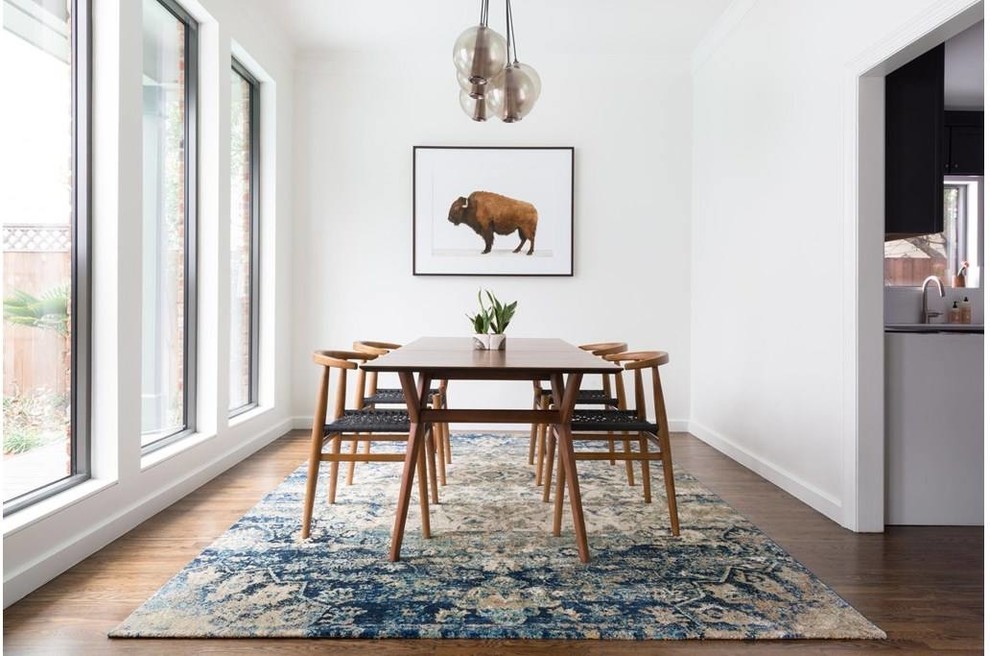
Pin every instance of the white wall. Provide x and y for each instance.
(42, 541)
(358, 116)
(773, 354)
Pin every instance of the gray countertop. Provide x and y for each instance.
(934, 328)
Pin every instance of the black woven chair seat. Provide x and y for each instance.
(592, 397)
(390, 396)
(370, 421)
(610, 420)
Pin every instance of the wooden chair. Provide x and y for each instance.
(632, 425)
(359, 425)
(375, 396)
(603, 397)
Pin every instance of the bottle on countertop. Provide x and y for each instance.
(966, 311)
(955, 313)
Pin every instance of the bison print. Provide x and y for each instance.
(490, 214)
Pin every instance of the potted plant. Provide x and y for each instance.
(491, 321)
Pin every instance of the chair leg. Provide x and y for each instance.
(630, 477)
(334, 468)
(541, 452)
(312, 474)
(551, 440)
(668, 481)
(446, 441)
(645, 465)
(424, 499)
(350, 465)
(439, 442)
(441, 449)
(431, 464)
(541, 444)
(533, 428)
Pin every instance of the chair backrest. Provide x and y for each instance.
(368, 387)
(602, 349)
(637, 362)
(343, 361)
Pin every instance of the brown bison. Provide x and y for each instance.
(489, 214)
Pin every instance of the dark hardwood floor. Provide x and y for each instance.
(922, 585)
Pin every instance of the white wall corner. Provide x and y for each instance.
(818, 499)
(722, 28)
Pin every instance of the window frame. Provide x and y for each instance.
(190, 192)
(80, 263)
(254, 100)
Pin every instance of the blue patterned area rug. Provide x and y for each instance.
(492, 568)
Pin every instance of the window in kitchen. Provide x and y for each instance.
(44, 192)
(244, 239)
(168, 337)
(957, 250)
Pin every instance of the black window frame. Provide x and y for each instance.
(81, 269)
(254, 101)
(190, 143)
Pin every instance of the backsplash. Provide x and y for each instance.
(903, 304)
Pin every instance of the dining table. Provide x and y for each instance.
(429, 359)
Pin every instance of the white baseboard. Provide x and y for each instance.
(825, 503)
(305, 423)
(76, 548)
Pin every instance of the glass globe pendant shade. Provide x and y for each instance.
(476, 91)
(476, 108)
(513, 92)
(479, 53)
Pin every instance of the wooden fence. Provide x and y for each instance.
(34, 358)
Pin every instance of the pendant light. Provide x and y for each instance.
(479, 53)
(507, 89)
(514, 91)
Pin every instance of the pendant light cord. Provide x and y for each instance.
(510, 34)
(483, 21)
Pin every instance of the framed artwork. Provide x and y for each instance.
(492, 211)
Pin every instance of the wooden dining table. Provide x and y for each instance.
(429, 359)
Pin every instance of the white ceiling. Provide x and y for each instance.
(661, 27)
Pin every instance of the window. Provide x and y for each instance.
(168, 337)
(44, 129)
(957, 250)
(244, 241)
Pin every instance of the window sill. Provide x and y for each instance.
(165, 453)
(248, 415)
(44, 509)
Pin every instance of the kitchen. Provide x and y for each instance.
(933, 296)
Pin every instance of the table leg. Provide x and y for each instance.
(417, 432)
(565, 397)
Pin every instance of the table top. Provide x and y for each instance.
(521, 355)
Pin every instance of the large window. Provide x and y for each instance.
(956, 251)
(169, 224)
(244, 242)
(44, 208)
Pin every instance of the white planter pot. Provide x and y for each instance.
(489, 342)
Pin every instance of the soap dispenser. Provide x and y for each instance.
(955, 313)
(965, 311)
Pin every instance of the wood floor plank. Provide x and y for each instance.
(922, 585)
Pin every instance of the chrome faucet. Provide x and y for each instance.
(927, 316)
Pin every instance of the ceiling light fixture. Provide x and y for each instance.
(493, 82)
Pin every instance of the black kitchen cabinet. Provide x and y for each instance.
(914, 115)
(963, 143)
